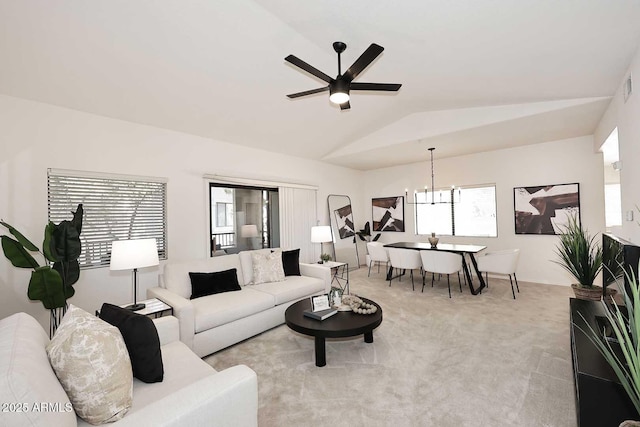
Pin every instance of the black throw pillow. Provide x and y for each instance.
(291, 262)
(203, 284)
(142, 341)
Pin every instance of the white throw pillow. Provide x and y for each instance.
(91, 361)
(267, 267)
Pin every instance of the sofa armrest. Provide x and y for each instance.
(182, 309)
(228, 398)
(168, 328)
(319, 271)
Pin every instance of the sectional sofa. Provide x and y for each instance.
(192, 392)
(213, 322)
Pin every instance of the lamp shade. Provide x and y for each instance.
(321, 234)
(130, 254)
(250, 230)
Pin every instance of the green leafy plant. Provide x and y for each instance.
(626, 329)
(612, 259)
(325, 257)
(365, 234)
(579, 253)
(50, 284)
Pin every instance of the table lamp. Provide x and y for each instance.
(321, 234)
(132, 255)
(249, 232)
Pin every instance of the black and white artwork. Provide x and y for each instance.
(388, 213)
(545, 209)
(344, 222)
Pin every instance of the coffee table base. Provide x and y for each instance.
(342, 325)
(321, 348)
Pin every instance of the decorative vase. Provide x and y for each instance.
(593, 293)
(433, 240)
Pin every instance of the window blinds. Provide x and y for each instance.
(116, 207)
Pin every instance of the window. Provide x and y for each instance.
(473, 214)
(243, 217)
(612, 193)
(224, 214)
(115, 208)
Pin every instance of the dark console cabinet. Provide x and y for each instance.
(600, 399)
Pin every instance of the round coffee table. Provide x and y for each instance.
(341, 324)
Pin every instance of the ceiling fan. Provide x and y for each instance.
(340, 87)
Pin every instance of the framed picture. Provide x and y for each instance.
(545, 209)
(387, 213)
(344, 222)
(320, 302)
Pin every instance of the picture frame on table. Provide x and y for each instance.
(320, 302)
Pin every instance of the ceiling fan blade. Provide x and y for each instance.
(390, 87)
(345, 105)
(308, 68)
(363, 62)
(308, 92)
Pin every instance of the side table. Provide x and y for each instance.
(340, 274)
(153, 308)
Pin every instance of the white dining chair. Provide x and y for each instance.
(405, 259)
(440, 262)
(377, 254)
(500, 262)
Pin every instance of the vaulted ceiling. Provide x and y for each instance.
(476, 75)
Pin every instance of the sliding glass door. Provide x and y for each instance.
(243, 218)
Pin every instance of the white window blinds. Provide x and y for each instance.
(116, 207)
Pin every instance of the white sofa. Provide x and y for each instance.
(191, 394)
(211, 323)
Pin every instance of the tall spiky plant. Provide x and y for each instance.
(627, 331)
(579, 253)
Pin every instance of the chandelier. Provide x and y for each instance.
(455, 194)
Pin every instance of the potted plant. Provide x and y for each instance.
(325, 257)
(52, 282)
(581, 256)
(365, 234)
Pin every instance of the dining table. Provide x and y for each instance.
(463, 249)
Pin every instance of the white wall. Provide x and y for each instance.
(36, 136)
(556, 162)
(626, 117)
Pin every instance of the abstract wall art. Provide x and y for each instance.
(388, 213)
(545, 209)
(344, 222)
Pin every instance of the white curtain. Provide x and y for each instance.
(298, 213)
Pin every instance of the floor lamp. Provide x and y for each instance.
(321, 234)
(132, 255)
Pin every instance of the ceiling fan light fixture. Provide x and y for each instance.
(340, 87)
(339, 92)
(339, 97)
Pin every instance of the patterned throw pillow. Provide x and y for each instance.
(92, 364)
(267, 267)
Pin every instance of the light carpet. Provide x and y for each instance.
(484, 360)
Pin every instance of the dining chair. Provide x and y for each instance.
(377, 254)
(500, 262)
(405, 259)
(440, 262)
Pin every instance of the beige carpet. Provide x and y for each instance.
(483, 360)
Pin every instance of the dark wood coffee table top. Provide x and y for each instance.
(341, 324)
